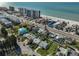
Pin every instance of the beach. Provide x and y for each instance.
(71, 22)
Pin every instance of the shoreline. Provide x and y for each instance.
(71, 22)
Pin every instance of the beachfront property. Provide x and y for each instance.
(51, 23)
(11, 8)
(29, 12)
(45, 34)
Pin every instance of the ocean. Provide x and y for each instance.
(66, 10)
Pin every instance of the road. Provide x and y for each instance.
(65, 34)
(29, 51)
(76, 37)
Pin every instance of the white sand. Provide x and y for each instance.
(71, 22)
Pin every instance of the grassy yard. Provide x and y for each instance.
(51, 50)
(42, 52)
(76, 45)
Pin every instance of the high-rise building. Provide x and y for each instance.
(36, 14)
(11, 8)
(29, 12)
(21, 11)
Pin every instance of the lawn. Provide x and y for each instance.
(43, 52)
(51, 50)
(76, 45)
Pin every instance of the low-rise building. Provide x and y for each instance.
(52, 35)
(43, 44)
(62, 51)
(29, 36)
(36, 40)
(42, 31)
(68, 40)
(59, 39)
(55, 24)
(66, 52)
(50, 23)
(35, 29)
(60, 25)
(72, 52)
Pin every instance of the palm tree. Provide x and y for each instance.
(77, 29)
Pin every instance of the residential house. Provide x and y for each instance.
(29, 36)
(43, 44)
(66, 52)
(59, 39)
(42, 31)
(62, 51)
(52, 35)
(72, 52)
(35, 29)
(36, 40)
(50, 23)
(68, 40)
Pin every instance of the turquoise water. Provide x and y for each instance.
(67, 10)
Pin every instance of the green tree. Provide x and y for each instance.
(13, 39)
(4, 32)
(74, 42)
